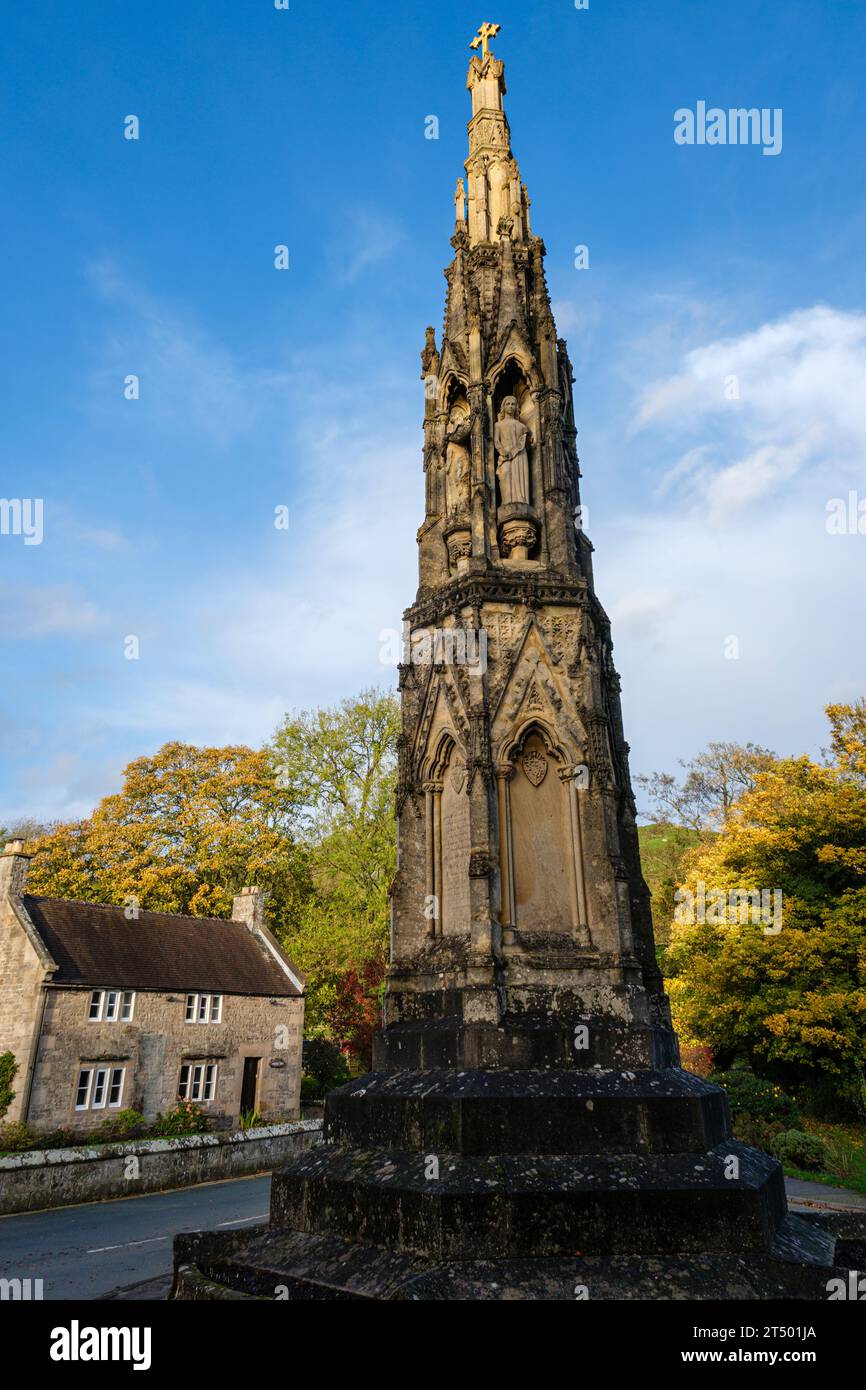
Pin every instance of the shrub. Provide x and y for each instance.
(800, 1150)
(185, 1118)
(17, 1136)
(121, 1126)
(761, 1134)
(59, 1139)
(8, 1068)
(250, 1119)
(750, 1096)
(311, 1090)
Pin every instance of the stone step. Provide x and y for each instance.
(537, 1112)
(296, 1266)
(519, 1205)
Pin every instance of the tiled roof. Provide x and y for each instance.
(94, 944)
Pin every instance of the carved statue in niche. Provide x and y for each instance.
(457, 460)
(511, 436)
(460, 202)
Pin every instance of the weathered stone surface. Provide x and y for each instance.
(500, 1206)
(532, 1041)
(529, 1112)
(41, 1179)
(279, 1264)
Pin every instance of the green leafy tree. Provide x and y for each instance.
(325, 1067)
(339, 766)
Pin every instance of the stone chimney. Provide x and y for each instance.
(14, 864)
(249, 907)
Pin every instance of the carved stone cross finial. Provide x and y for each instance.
(483, 37)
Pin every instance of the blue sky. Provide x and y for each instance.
(262, 388)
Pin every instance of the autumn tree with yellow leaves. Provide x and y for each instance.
(308, 818)
(790, 1001)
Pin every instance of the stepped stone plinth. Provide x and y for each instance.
(526, 1132)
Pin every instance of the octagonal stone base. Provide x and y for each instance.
(537, 1184)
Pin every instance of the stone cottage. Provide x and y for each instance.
(107, 1008)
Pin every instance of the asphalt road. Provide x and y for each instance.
(90, 1251)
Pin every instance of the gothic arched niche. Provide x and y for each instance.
(513, 381)
(456, 450)
(454, 846)
(448, 836)
(541, 845)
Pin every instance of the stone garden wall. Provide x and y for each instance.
(64, 1177)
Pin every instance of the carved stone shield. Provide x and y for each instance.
(458, 777)
(535, 766)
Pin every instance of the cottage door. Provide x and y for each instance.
(250, 1085)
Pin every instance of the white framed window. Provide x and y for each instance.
(109, 1005)
(204, 1008)
(99, 1087)
(197, 1081)
(82, 1092)
(115, 1087)
(100, 1084)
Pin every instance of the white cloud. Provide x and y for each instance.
(642, 610)
(785, 398)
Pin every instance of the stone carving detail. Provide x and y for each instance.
(562, 635)
(430, 356)
(460, 203)
(459, 542)
(457, 774)
(511, 436)
(517, 538)
(481, 864)
(457, 462)
(534, 702)
(504, 630)
(534, 764)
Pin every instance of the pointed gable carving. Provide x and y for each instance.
(535, 688)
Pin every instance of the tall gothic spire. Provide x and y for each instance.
(501, 380)
(516, 815)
